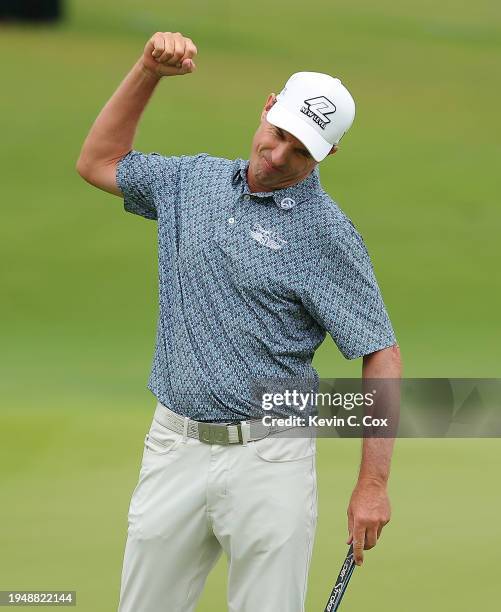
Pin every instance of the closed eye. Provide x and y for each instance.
(281, 135)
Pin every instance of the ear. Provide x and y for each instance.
(272, 98)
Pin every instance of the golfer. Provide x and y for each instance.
(256, 264)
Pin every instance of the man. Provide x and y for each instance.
(256, 264)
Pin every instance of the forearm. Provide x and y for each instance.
(112, 134)
(377, 452)
(376, 460)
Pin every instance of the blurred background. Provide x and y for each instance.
(416, 174)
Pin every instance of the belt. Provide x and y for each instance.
(215, 433)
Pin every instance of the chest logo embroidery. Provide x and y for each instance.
(267, 238)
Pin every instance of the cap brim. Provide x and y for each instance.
(281, 117)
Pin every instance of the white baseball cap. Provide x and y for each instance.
(315, 108)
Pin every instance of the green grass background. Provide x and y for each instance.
(417, 175)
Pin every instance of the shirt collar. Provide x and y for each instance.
(285, 198)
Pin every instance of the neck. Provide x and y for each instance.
(254, 186)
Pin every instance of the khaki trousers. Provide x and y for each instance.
(256, 502)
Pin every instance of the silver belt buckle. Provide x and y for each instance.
(212, 433)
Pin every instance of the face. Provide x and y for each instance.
(278, 159)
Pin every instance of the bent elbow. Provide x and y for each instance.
(82, 168)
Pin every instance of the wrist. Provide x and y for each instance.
(147, 73)
(372, 481)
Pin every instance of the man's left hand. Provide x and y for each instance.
(369, 511)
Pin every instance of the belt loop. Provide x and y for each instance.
(245, 429)
(185, 429)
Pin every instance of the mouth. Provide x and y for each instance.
(269, 167)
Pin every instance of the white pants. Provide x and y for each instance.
(257, 502)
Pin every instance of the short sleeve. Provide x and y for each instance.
(343, 296)
(144, 178)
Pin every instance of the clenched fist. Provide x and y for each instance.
(169, 54)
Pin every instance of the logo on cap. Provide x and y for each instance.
(317, 109)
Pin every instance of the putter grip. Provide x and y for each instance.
(341, 582)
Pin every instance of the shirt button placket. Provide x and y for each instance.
(241, 211)
(232, 219)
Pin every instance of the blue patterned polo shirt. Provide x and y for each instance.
(249, 283)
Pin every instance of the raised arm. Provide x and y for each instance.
(112, 134)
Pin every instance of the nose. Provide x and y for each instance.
(280, 155)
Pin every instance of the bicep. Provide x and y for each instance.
(383, 363)
(145, 179)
